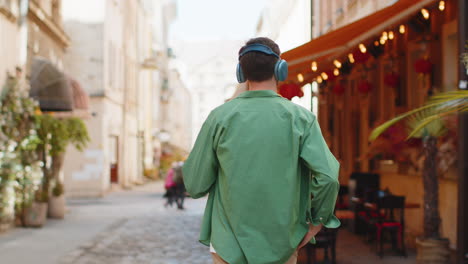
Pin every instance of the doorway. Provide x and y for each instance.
(114, 158)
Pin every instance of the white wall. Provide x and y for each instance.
(9, 42)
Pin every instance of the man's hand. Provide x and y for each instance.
(313, 230)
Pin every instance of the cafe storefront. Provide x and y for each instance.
(372, 70)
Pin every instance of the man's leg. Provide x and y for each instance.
(293, 258)
(217, 259)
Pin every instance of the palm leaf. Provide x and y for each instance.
(427, 118)
(425, 123)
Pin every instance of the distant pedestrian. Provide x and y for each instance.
(261, 158)
(170, 186)
(180, 187)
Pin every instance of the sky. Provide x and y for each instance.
(216, 19)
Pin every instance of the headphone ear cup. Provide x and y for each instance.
(281, 70)
(240, 74)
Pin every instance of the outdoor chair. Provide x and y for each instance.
(343, 198)
(390, 222)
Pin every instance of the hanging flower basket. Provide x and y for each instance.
(364, 87)
(290, 90)
(392, 79)
(338, 89)
(423, 66)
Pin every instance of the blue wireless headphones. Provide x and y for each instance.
(281, 66)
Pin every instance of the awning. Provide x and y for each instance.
(50, 86)
(336, 43)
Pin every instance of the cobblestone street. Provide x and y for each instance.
(123, 227)
(162, 236)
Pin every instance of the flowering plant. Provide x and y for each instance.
(290, 90)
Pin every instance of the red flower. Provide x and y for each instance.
(290, 90)
(364, 87)
(423, 66)
(338, 89)
(360, 57)
(392, 79)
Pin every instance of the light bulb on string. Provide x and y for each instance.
(376, 43)
(337, 63)
(324, 76)
(362, 47)
(383, 41)
(402, 29)
(391, 35)
(385, 35)
(319, 79)
(314, 66)
(336, 72)
(351, 58)
(300, 77)
(442, 5)
(425, 13)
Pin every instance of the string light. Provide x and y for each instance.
(337, 63)
(300, 77)
(425, 13)
(362, 47)
(376, 43)
(402, 29)
(442, 5)
(385, 35)
(351, 58)
(324, 76)
(319, 79)
(391, 35)
(336, 72)
(382, 41)
(314, 66)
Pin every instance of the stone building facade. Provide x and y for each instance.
(114, 55)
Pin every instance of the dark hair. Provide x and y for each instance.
(258, 66)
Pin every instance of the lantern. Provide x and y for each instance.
(423, 66)
(364, 87)
(392, 79)
(338, 89)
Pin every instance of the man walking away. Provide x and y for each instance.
(261, 158)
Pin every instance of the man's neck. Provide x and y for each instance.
(265, 85)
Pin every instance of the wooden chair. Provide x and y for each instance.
(391, 222)
(326, 240)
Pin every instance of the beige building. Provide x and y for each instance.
(113, 56)
(36, 31)
(9, 29)
(178, 113)
(208, 70)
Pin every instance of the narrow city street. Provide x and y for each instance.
(124, 227)
(133, 226)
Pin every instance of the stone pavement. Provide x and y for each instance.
(135, 227)
(123, 227)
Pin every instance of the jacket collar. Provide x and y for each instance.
(258, 93)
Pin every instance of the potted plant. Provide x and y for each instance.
(427, 122)
(56, 134)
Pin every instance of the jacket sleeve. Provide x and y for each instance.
(201, 167)
(324, 183)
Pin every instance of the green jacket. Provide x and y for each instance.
(261, 158)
